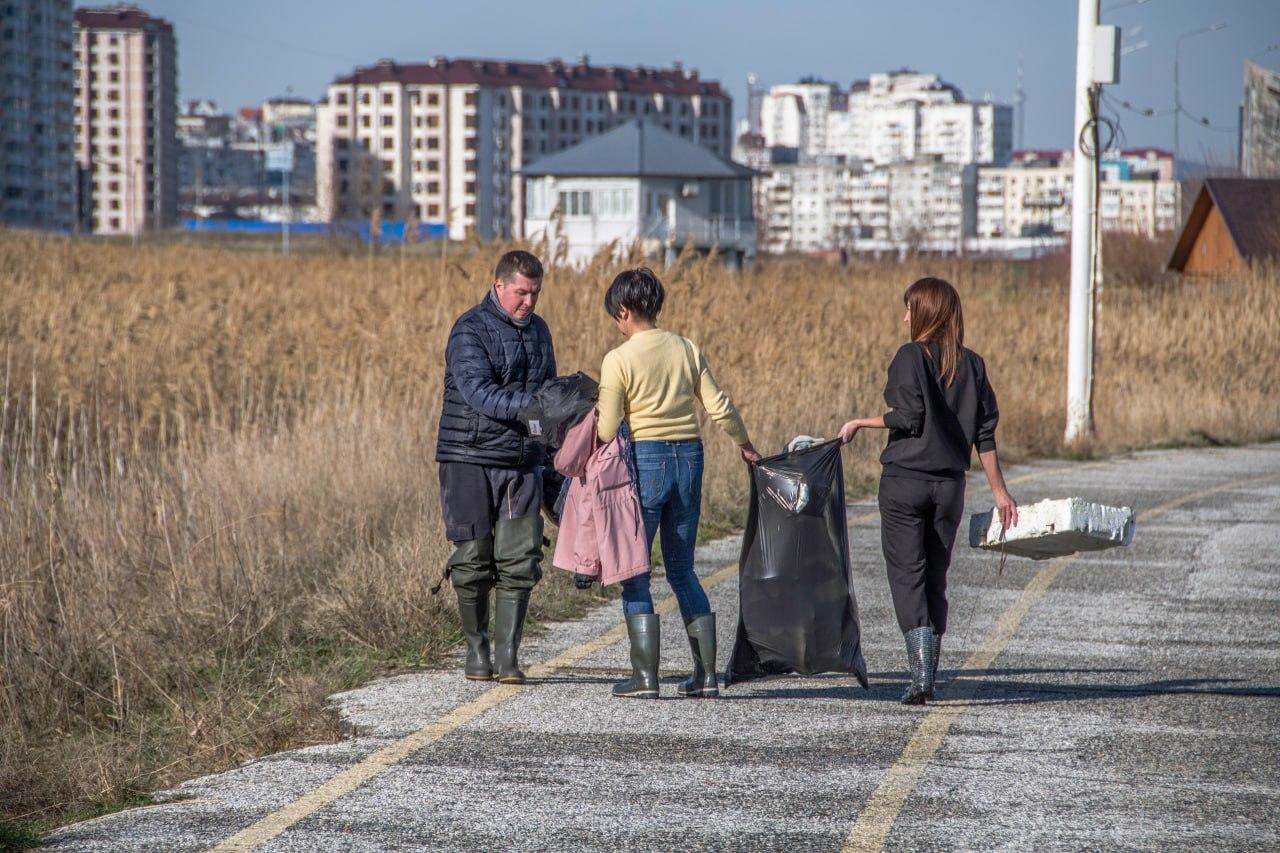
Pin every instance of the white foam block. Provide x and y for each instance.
(1054, 528)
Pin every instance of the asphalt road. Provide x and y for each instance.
(1127, 699)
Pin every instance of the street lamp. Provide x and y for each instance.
(1177, 95)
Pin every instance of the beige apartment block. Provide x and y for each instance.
(125, 120)
(445, 141)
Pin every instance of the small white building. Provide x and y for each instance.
(640, 182)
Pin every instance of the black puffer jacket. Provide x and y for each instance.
(492, 369)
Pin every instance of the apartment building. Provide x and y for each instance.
(805, 206)
(1031, 197)
(125, 120)
(1260, 123)
(37, 163)
(445, 141)
(887, 118)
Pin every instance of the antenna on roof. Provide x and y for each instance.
(1020, 104)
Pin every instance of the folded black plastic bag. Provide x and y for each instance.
(557, 406)
(797, 610)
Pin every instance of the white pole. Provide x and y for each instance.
(1083, 194)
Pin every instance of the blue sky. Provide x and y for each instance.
(240, 52)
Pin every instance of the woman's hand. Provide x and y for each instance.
(1007, 507)
(749, 454)
(849, 430)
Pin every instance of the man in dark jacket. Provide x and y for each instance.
(499, 354)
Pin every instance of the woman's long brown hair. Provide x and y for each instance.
(936, 317)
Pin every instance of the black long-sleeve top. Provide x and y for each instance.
(933, 427)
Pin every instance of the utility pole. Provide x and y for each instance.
(1097, 63)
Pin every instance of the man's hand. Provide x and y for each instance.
(849, 430)
(1007, 508)
(749, 454)
(583, 581)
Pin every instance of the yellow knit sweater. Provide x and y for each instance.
(652, 381)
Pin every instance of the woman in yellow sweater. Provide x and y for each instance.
(652, 382)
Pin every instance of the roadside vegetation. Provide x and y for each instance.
(218, 499)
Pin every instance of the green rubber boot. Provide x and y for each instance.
(471, 571)
(646, 641)
(510, 608)
(702, 642)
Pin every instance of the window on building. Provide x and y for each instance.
(433, 187)
(387, 99)
(366, 121)
(470, 209)
(388, 142)
(388, 121)
(433, 121)
(471, 98)
(433, 99)
(574, 203)
(471, 121)
(433, 143)
(341, 121)
(433, 165)
(472, 143)
(340, 98)
(365, 97)
(470, 188)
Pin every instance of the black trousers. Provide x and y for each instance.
(918, 521)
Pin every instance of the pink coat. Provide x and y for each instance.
(601, 528)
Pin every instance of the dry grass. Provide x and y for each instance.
(218, 501)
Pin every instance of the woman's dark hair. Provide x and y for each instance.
(637, 290)
(936, 317)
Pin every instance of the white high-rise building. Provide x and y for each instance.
(37, 163)
(444, 142)
(125, 120)
(887, 118)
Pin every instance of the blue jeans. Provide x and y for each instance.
(670, 476)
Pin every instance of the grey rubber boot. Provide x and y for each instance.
(471, 571)
(702, 642)
(646, 641)
(920, 658)
(510, 608)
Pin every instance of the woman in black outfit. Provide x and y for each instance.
(940, 407)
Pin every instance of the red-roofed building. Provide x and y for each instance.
(444, 141)
(126, 110)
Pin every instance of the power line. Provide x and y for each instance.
(1149, 112)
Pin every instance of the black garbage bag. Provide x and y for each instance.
(797, 611)
(557, 406)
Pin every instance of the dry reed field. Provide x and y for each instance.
(218, 499)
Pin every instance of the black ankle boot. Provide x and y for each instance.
(920, 659)
(508, 624)
(643, 630)
(702, 642)
(474, 614)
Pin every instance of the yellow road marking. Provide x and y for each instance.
(872, 827)
(346, 781)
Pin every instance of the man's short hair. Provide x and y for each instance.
(518, 261)
(637, 290)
